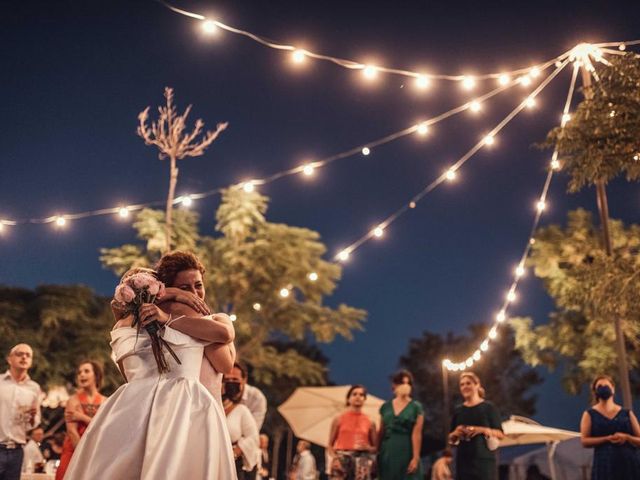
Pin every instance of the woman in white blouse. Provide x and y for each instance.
(242, 429)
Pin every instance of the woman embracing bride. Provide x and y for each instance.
(163, 423)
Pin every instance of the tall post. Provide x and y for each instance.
(445, 403)
(603, 209)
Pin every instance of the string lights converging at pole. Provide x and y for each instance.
(520, 268)
(307, 169)
(422, 80)
(450, 173)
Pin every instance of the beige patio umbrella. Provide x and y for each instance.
(309, 411)
(523, 431)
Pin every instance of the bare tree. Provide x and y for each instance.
(169, 135)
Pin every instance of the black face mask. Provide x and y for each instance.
(604, 392)
(232, 391)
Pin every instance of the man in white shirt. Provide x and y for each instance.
(252, 397)
(306, 465)
(32, 453)
(19, 410)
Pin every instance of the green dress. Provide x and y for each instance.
(474, 460)
(396, 449)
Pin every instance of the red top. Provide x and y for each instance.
(353, 431)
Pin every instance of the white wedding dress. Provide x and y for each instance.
(156, 426)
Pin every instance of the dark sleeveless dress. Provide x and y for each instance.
(613, 461)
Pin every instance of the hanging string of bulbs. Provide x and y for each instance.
(306, 169)
(520, 269)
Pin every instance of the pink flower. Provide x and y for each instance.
(141, 280)
(124, 293)
(154, 287)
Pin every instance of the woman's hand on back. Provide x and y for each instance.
(194, 302)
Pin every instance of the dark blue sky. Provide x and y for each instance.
(76, 74)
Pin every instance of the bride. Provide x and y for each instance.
(159, 425)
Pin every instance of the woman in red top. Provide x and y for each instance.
(352, 440)
(80, 409)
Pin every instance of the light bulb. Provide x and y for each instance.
(378, 232)
(343, 255)
(520, 271)
(412, 204)
(493, 333)
(233, 317)
(257, 307)
(484, 346)
(370, 72)
(308, 170)
(248, 187)
(469, 362)
(489, 140)
(511, 296)
(422, 82)
(555, 165)
(422, 129)
(123, 212)
(541, 205)
(468, 83)
(530, 102)
(476, 355)
(565, 118)
(61, 221)
(209, 26)
(187, 201)
(622, 47)
(366, 151)
(298, 56)
(534, 72)
(501, 316)
(475, 106)
(525, 80)
(1, 225)
(503, 79)
(284, 292)
(313, 276)
(451, 174)
(558, 64)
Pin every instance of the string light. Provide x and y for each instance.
(565, 119)
(530, 102)
(502, 316)
(313, 276)
(422, 82)
(378, 232)
(298, 56)
(186, 201)
(123, 212)
(412, 205)
(308, 170)
(61, 221)
(257, 307)
(209, 27)
(525, 80)
(422, 129)
(535, 72)
(451, 174)
(555, 164)
(1, 225)
(233, 317)
(520, 271)
(504, 79)
(493, 333)
(370, 72)
(511, 296)
(285, 292)
(343, 256)
(248, 187)
(468, 83)
(489, 140)
(484, 346)
(475, 106)
(622, 47)
(541, 205)
(366, 151)
(476, 355)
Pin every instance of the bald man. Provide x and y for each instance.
(19, 410)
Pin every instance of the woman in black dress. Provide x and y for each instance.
(476, 429)
(613, 432)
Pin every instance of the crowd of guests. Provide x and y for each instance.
(357, 449)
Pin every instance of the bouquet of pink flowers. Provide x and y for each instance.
(137, 287)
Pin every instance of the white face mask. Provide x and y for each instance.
(404, 389)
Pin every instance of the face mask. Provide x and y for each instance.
(603, 392)
(232, 391)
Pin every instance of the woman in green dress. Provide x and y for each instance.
(476, 429)
(400, 433)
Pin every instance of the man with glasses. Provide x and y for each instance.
(19, 410)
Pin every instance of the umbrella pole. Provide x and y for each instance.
(551, 451)
(277, 442)
(289, 448)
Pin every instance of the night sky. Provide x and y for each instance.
(75, 75)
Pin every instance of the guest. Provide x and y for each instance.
(352, 439)
(441, 469)
(305, 463)
(613, 432)
(52, 448)
(477, 424)
(264, 464)
(242, 428)
(32, 454)
(19, 410)
(252, 397)
(80, 409)
(400, 435)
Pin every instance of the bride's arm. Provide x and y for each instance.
(217, 330)
(221, 357)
